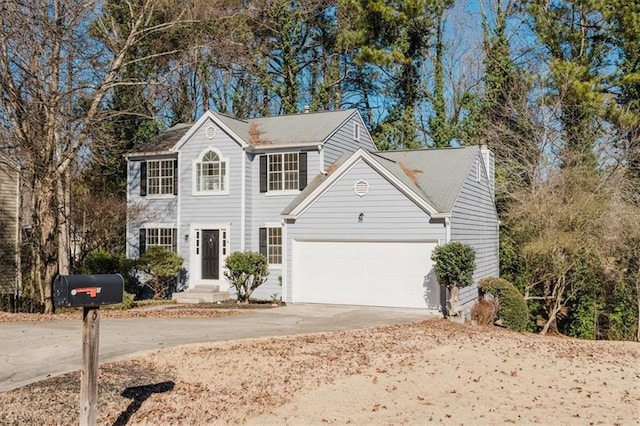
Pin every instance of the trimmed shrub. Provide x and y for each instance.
(454, 264)
(484, 311)
(246, 271)
(163, 266)
(512, 308)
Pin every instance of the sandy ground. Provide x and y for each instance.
(430, 372)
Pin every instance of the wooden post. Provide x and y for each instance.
(89, 372)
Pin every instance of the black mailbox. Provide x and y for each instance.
(88, 290)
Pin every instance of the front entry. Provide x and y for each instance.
(210, 254)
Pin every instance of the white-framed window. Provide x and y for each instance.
(283, 172)
(356, 132)
(211, 173)
(160, 177)
(271, 244)
(158, 237)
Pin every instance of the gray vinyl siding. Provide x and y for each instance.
(388, 215)
(9, 181)
(210, 209)
(342, 141)
(266, 209)
(143, 210)
(475, 222)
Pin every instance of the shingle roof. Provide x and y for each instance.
(299, 129)
(435, 175)
(165, 140)
(439, 173)
(311, 128)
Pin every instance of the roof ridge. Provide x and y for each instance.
(427, 149)
(301, 114)
(244, 120)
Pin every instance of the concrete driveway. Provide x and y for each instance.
(32, 351)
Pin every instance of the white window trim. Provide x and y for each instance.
(194, 173)
(288, 192)
(356, 131)
(271, 225)
(159, 225)
(281, 192)
(161, 195)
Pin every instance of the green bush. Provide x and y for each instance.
(163, 266)
(454, 264)
(246, 271)
(512, 308)
(103, 262)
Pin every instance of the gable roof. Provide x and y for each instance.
(309, 129)
(439, 173)
(432, 177)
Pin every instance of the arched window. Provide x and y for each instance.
(211, 173)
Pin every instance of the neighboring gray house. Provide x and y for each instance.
(9, 226)
(339, 222)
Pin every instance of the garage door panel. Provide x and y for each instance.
(361, 273)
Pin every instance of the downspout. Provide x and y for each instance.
(321, 166)
(178, 203)
(447, 230)
(285, 260)
(243, 168)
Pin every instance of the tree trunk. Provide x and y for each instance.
(44, 221)
(454, 301)
(64, 247)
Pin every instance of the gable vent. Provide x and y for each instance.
(211, 132)
(361, 187)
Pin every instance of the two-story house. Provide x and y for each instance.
(338, 221)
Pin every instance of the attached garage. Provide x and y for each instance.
(373, 273)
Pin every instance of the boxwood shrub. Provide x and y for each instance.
(512, 308)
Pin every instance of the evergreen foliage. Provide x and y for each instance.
(103, 262)
(246, 271)
(454, 264)
(512, 308)
(162, 266)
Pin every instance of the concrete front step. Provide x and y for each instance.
(201, 295)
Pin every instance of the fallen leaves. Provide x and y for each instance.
(234, 382)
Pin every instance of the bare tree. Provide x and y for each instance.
(54, 78)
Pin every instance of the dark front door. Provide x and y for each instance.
(210, 254)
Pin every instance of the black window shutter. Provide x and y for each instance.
(263, 173)
(143, 178)
(302, 170)
(175, 177)
(143, 241)
(263, 241)
(174, 240)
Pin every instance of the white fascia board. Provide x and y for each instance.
(208, 115)
(133, 155)
(257, 149)
(361, 154)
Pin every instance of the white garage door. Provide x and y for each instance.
(361, 273)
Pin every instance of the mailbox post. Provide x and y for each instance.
(90, 292)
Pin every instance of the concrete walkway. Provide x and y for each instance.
(32, 351)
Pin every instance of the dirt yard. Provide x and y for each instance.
(430, 372)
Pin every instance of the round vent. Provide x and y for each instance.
(361, 187)
(211, 132)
